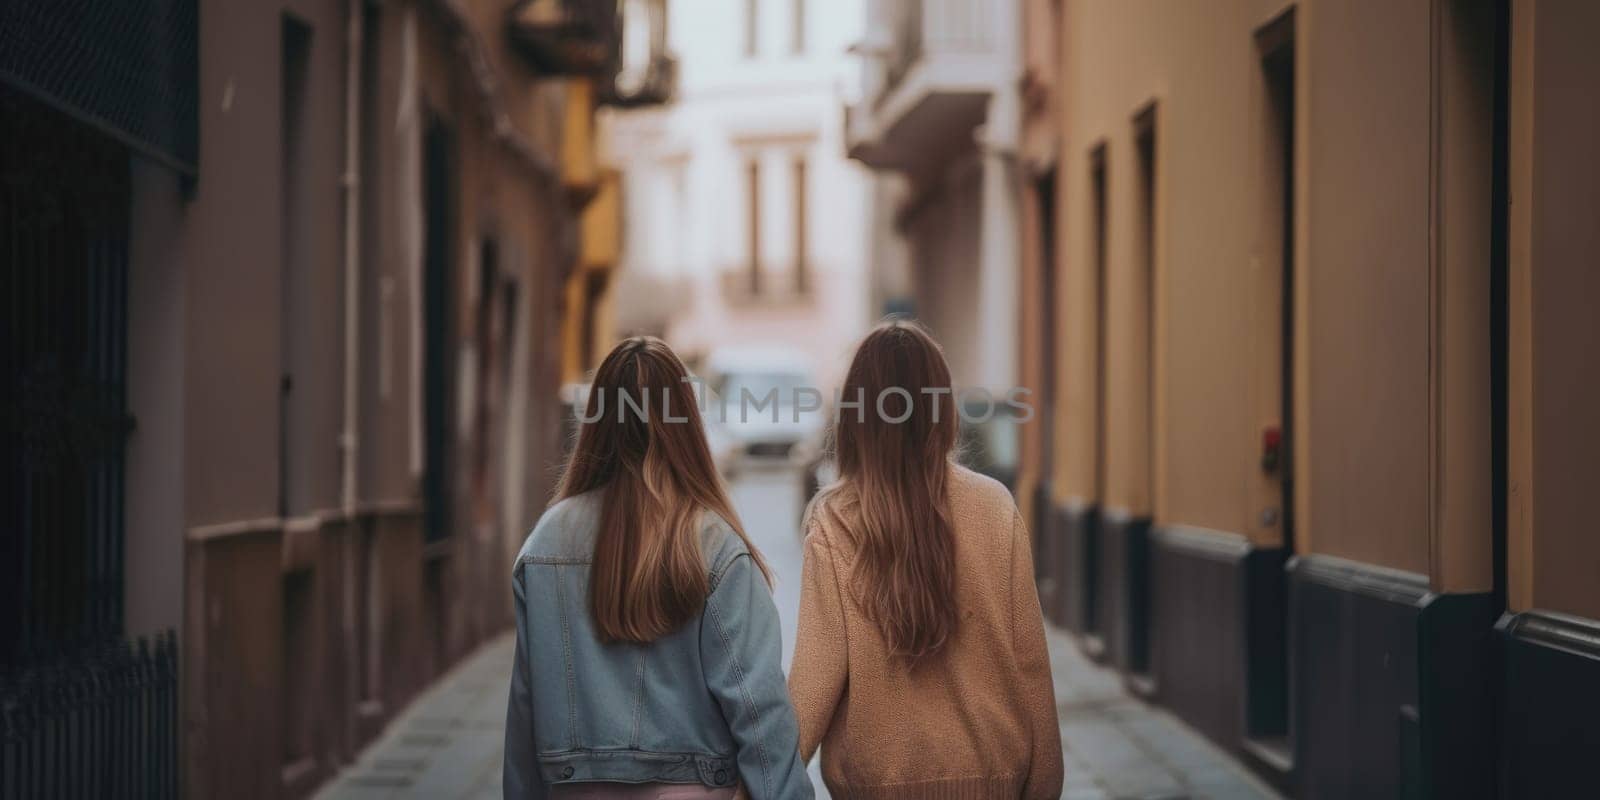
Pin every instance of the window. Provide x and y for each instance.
(753, 223)
(752, 27)
(797, 41)
(802, 256)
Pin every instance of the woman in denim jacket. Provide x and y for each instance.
(648, 651)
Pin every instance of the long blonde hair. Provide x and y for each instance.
(647, 452)
(895, 475)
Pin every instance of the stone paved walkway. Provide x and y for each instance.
(1117, 747)
(448, 743)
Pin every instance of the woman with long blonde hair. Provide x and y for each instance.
(648, 651)
(920, 665)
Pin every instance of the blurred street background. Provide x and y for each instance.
(298, 297)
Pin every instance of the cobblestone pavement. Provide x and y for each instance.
(448, 743)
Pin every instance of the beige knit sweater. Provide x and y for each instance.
(977, 721)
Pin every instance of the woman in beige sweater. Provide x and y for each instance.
(920, 664)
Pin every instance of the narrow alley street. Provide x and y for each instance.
(448, 743)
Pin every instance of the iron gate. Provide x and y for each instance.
(82, 712)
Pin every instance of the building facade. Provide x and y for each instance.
(323, 264)
(745, 220)
(937, 119)
(1315, 339)
(1036, 314)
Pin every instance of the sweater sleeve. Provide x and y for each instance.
(1033, 669)
(821, 656)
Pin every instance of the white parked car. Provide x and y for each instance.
(763, 406)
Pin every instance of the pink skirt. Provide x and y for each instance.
(640, 791)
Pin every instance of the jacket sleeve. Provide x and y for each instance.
(521, 779)
(1033, 669)
(741, 649)
(820, 670)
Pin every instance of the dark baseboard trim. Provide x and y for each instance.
(1217, 642)
(1391, 684)
(1457, 672)
(1211, 545)
(1380, 583)
(1388, 686)
(1075, 530)
(1266, 662)
(1197, 628)
(1550, 704)
(1123, 590)
(1574, 635)
(1353, 662)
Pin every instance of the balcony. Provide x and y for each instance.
(650, 84)
(580, 164)
(129, 69)
(646, 73)
(926, 82)
(567, 37)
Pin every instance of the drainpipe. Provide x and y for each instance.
(351, 181)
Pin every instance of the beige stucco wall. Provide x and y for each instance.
(1364, 460)
(1390, 275)
(1197, 64)
(1553, 552)
(1395, 124)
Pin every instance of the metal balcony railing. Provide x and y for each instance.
(645, 74)
(567, 37)
(929, 28)
(652, 84)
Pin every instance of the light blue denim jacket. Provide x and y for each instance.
(706, 704)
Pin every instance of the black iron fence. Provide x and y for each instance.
(83, 713)
(101, 724)
(64, 424)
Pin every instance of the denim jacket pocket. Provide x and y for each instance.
(716, 772)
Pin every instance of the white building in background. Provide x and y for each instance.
(745, 222)
(937, 119)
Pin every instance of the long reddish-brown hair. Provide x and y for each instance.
(894, 474)
(643, 445)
